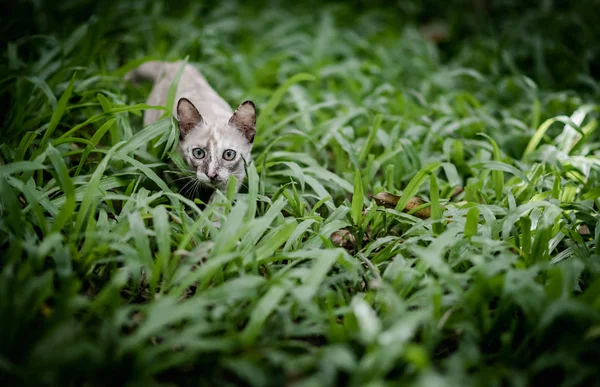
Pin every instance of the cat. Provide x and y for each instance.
(214, 141)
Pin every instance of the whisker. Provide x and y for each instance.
(189, 184)
(193, 189)
(188, 172)
(197, 189)
(182, 178)
(179, 171)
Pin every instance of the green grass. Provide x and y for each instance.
(111, 273)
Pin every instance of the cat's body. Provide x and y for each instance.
(214, 140)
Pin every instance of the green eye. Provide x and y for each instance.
(229, 154)
(198, 153)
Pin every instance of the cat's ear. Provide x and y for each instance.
(188, 116)
(244, 118)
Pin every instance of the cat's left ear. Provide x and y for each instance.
(244, 118)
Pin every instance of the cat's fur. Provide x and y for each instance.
(206, 121)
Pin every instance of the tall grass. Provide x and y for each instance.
(113, 272)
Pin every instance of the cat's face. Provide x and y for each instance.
(216, 150)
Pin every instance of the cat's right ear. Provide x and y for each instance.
(188, 116)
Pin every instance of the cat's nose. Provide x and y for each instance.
(212, 175)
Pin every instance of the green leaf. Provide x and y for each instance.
(357, 199)
(43, 86)
(76, 36)
(315, 277)
(436, 209)
(67, 186)
(500, 166)
(368, 322)
(370, 139)
(277, 96)
(162, 234)
(170, 102)
(20, 167)
(415, 183)
(92, 188)
(274, 240)
(104, 102)
(140, 239)
(93, 142)
(472, 222)
(497, 175)
(261, 312)
(61, 107)
(33, 199)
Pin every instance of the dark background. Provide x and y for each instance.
(555, 42)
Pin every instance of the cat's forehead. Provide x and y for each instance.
(220, 136)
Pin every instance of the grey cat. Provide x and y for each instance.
(214, 140)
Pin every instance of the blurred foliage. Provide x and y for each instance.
(553, 42)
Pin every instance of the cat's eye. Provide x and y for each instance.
(229, 154)
(198, 153)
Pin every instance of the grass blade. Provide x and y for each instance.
(261, 312)
(415, 183)
(61, 107)
(357, 199)
(277, 96)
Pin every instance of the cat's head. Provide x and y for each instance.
(216, 150)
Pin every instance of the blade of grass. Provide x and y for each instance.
(357, 199)
(261, 312)
(170, 102)
(436, 209)
(415, 183)
(57, 114)
(67, 186)
(371, 139)
(472, 222)
(276, 98)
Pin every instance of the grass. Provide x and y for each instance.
(111, 272)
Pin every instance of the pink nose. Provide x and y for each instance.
(212, 175)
